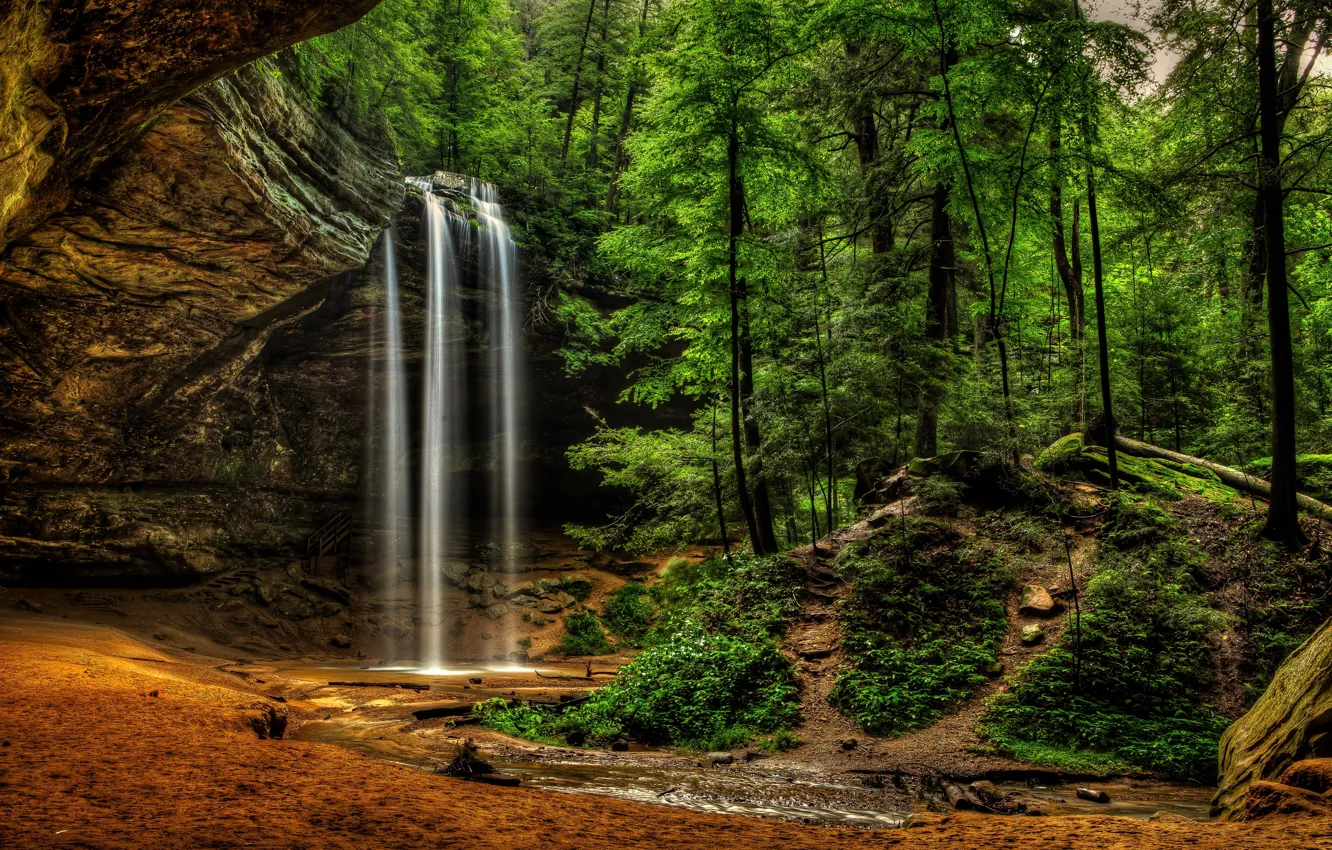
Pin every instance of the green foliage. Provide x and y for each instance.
(1131, 692)
(628, 613)
(583, 635)
(939, 495)
(516, 720)
(579, 588)
(924, 618)
(711, 675)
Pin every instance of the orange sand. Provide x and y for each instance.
(92, 759)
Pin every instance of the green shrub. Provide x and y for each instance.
(698, 690)
(583, 635)
(1132, 694)
(628, 613)
(924, 618)
(516, 720)
(579, 588)
(711, 675)
(939, 495)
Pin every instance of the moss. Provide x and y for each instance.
(1062, 455)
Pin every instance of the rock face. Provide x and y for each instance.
(173, 335)
(80, 80)
(1290, 722)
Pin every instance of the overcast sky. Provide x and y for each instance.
(1124, 12)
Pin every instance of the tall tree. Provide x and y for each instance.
(1283, 520)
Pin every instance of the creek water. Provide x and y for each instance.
(662, 776)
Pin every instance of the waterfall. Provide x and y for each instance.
(499, 264)
(442, 408)
(394, 473)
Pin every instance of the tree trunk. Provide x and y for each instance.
(937, 330)
(1233, 478)
(626, 116)
(735, 221)
(767, 539)
(1107, 409)
(577, 78)
(1283, 521)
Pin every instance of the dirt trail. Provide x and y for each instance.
(949, 746)
(163, 754)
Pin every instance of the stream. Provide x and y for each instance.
(665, 777)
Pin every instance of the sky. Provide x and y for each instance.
(1126, 12)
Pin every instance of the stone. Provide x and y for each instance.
(293, 608)
(714, 759)
(497, 610)
(1093, 796)
(1264, 799)
(1170, 817)
(242, 589)
(28, 605)
(523, 600)
(985, 789)
(549, 606)
(619, 745)
(1037, 602)
(329, 609)
(576, 738)
(849, 744)
(456, 571)
(566, 599)
(267, 622)
(519, 656)
(327, 589)
(1031, 635)
(1289, 722)
(994, 669)
(477, 581)
(1310, 774)
(264, 594)
(500, 590)
(341, 641)
(228, 604)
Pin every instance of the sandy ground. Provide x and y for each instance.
(111, 743)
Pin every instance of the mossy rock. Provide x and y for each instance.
(960, 465)
(1063, 455)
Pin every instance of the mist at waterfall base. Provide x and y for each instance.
(450, 523)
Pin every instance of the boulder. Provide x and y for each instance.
(1037, 602)
(1310, 774)
(1264, 799)
(1031, 635)
(549, 606)
(341, 641)
(497, 610)
(1170, 817)
(1290, 722)
(456, 571)
(329, 609)
(714, 759)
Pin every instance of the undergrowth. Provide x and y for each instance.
(924, 618)
(710, 676)
(1130, 693)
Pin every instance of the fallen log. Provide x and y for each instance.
(406, 686)
(1234, 478)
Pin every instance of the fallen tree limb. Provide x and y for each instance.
(1241, 481)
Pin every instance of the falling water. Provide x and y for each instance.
(393, 470)
(441, 409)
(499, 263)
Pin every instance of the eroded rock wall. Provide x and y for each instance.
(163, 412)
(81, 80)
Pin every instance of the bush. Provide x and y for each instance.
(628, 613)
(579, 588)
(939, 495)
(583, 635)
(516, 720)
(924, 618)
(711, 675)
(1134, 698)
(697, 690)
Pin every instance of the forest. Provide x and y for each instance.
(666, 423)
(853, 233)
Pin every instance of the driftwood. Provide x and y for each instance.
(590, 673)
(1230, 477)
(406, 686)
